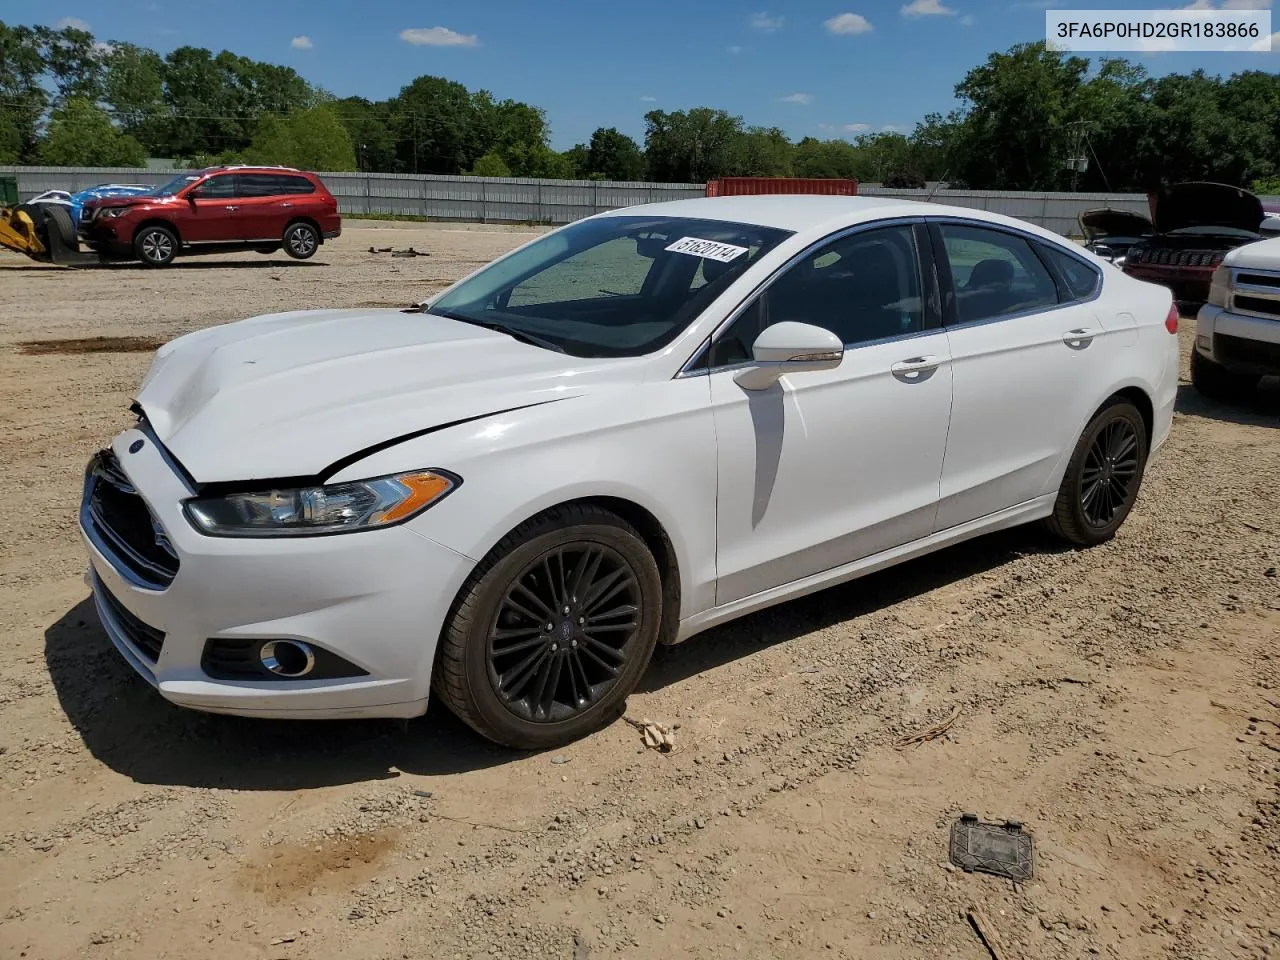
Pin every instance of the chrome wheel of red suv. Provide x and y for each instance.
(301, 241)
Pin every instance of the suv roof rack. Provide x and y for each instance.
(254, 166)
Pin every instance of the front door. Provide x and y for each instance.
(828, 467)
(211, 209)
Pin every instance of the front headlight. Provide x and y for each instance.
(303, 511)
(110, 213)
(1220, 287)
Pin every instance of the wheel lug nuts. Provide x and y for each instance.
(581, 621)
(550, 627)
(566, 611)
(573, 644)
(555, 647)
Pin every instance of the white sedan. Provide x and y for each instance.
(622, 433)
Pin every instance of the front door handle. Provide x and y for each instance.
(286, 204)
(1079, 338)
(915, 370)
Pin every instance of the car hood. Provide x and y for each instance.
(1260, 255)
(302, 394)
(1204, 205)
(1104, 223)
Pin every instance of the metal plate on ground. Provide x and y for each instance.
(1003, 849)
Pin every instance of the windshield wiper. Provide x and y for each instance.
(513, 332)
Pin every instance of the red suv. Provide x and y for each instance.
(213, 211)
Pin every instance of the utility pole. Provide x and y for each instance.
(1077, 161)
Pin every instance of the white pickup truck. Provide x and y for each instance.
(1238, 329)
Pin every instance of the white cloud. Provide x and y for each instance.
(927, 8)
(735, 49)
(857, 127)
(648, 99)
(804, 98)
(848, 23)
(75, 23)
(301, 43)
(892, 128)
(764, 23)
(967, 20)
(1260, 46)
(438, 37)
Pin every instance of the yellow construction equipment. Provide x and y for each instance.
(44, 232)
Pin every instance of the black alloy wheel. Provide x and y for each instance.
(1103, 477)
(553, 630)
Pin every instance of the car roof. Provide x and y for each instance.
(817, 214)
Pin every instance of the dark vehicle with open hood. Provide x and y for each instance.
(1111, 233)
(1195, 225)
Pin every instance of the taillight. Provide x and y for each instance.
(1171, 319)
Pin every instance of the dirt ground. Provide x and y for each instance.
(1124, 703)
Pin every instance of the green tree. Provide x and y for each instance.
(1015, 133)
(72, 61)
(24, 98)
(690, 146)
(761, 152)
(490, 165)
(368, 125)
(824, 158)
(133, 87)
(612, 155)
(313, 139)
(82, 135)
(436, 126)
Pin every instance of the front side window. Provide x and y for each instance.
(862, 287)
(994, 274)
(610, 287)
(218, 188)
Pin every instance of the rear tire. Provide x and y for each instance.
(301, 241)
(518, 668)
(155, 245)
(1103, 477)
(1216, 382)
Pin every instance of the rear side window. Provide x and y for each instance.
(1078, 277)
(292, 184)
(995, 274)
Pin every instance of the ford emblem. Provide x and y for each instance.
(136, 446)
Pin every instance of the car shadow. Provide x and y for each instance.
(183, 263)
(795, 618)
(1261, 409)
(129, 727)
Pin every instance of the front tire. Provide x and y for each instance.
(1103, 477)
(155, 246)
(553, 630)
(1216, 382)
(301, 241)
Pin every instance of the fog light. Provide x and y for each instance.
(1203, 341)
(287, 658)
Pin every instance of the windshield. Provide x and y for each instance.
(611, 287)
(176, 184)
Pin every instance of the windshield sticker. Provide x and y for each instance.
(708, 249)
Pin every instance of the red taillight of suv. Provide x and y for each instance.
(1171, 319)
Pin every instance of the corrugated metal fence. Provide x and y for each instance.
(515, 200)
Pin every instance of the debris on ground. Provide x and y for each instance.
(1002, 849)
(931, 733)
(987, 934)
(657, 736)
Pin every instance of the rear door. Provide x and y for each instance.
(210, 212)
(1028, 357)
(264, 207)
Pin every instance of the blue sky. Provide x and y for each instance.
(812, 67)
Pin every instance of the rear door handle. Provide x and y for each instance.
(286, 204)
(915, 370)
(1079, 338)
(230, 208)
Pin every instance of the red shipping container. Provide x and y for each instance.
(755, 186)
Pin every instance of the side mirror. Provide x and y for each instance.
(1102, 250)
(790, 347)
